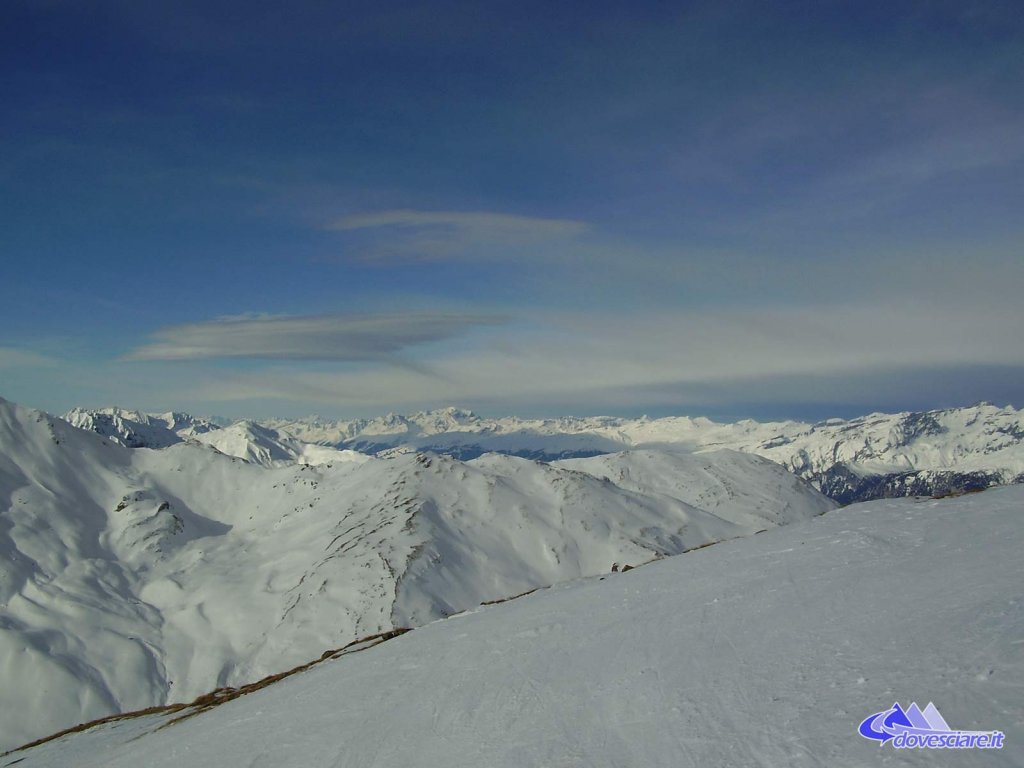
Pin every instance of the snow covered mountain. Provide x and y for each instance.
(719, 482)
(135, 577)
(874, 456)
(263, 445)
(139, 430)
(765, 651)
(246, 440)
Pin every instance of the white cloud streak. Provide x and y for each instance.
(416, 236)
(337, 338)
(11, 358)
(495, 223)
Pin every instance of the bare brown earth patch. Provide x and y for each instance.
(511, 597)
(221, 695)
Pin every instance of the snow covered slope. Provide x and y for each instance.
(132, 577)
(766, 651)
(740, 487)
(139, 430)
(262, 445)
(247, 440)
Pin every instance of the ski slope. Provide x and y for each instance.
(766, 651)
(136, 577)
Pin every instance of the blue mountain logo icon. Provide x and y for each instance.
(916, 728)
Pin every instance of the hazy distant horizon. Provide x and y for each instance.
(811, 413)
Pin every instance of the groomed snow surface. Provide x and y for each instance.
(765, 651)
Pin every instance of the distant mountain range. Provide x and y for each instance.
(875, 456)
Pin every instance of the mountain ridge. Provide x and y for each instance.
(874, 456)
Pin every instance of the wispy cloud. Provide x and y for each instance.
(496, 224)
(412, 235)
(11, 357)
(595, 359)
(337, 338)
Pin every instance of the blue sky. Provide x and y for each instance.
(735, 209)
